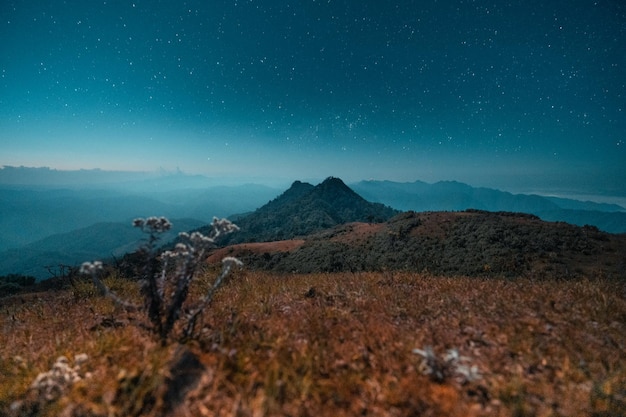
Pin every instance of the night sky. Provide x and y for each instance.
(521, 95)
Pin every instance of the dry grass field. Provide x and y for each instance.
(327, 345)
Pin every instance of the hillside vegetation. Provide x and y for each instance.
(470, 243)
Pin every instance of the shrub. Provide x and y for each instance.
(166, 276)
(14, 283)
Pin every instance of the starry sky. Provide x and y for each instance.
(520, 95)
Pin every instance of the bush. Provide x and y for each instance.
(166, 276)
(14, 283)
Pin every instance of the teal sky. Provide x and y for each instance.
(518, 95)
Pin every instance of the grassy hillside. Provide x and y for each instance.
(470, 243)
(522, 318)
(329, 345)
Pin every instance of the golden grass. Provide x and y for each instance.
(332, 344)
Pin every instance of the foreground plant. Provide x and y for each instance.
(53, 383)
(166, 276)
(449, 365)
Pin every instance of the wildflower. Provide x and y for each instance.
(223, 226)
(168, 275)
(451, 364)
(80, 359)
(230, 260)
(153, 224)
(198, 238)
(53, 383)
(90, 267)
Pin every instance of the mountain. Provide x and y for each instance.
(469, 243)
(452, 195)
(303, 209)
(44, 176)
(570, 204)
(29, 214)
(98, 241)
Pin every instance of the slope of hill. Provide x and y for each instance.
(452, 195)
(472, 243)
(98, 241)
(304, 209)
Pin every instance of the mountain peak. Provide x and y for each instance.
(296, 191)
(299, 185)
(333, 181)
(305, 208)
(335, 187)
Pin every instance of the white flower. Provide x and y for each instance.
(451, 364)
(53, 383)
(232, 261)
(90, 267)
(153, 223)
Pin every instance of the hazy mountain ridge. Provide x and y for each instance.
(48, 224)
(304, 209)
(455, 196)
(45, 177)
(28, 215)
(571, 204)
(98, 241)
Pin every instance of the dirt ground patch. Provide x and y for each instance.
(258, 248)
(356, 232)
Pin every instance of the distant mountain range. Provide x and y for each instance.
(454, 196)
(43, 226)
(30, 214)
(52, 225)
